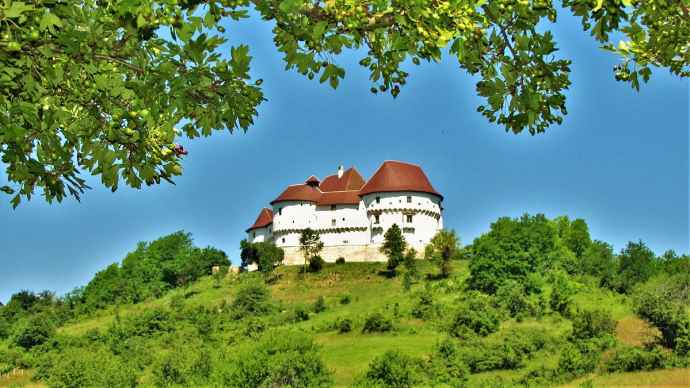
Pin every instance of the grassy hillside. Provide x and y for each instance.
(348, 355)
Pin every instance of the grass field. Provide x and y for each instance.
(348, 355)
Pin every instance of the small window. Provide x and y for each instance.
(332, 207)
(408, 218)
(409, 199)
(378, 199)
(376, 218)
(333, 222)
(283, 240)
(280, 211)
(343, 218)
(253, 234)
(345, 241)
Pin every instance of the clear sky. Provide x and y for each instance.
(620, 161)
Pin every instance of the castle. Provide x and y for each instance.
(351, 214)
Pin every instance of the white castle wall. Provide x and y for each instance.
(260, 235)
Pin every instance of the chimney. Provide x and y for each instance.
(340, 171)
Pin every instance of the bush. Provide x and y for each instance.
(340, 260)
(377, 323)
(282, 358)
(477, 315)
(513, 298)
(446, 366)
(93, 368)
(593, 324)
(344, 325)
(345, 299)
(631, 359)
(669, 316)
(316, 263)
(34, 331)
(393, 369)
(578, 359)
(251, 299)
(424, 307)
(300, 314)
(320, 305)
(517, 346)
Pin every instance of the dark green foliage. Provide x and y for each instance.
(662, 308)
(393, 247)
(517, 347)
(280, 358)
(34, 331)
(424, 306)
(562, 292)
(320, 305)
(265, 255)
(393, 369)
(300, 314)
(636, 265)
(476, 314)
(251, 299)
(512, 249)
(340, 260)
(446, 365)
(578, 359)
(345, 299)
(344, 325)
(590, 324)
(377, 323)
(316, 263)
(631, 359)
(411, 273)
(598, 260)
(513, 298)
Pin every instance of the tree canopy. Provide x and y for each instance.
(108, 87)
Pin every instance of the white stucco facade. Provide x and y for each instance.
(355, 227)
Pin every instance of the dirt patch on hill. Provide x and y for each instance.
(634, 331)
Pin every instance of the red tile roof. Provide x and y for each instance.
(312, 180)
(303, 192)
(351, 180)
(350, 197)
(398, 176)
(264, 219)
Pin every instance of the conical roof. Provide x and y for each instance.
(398, 176)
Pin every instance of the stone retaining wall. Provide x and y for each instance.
(351, 253)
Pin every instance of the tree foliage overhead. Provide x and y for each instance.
(99, 86)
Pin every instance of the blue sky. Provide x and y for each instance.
(620, 161)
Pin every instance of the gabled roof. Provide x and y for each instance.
(351, 180)
(301, 192)
(312, 180)
(264, 219)
(398, 176)
(350, 197)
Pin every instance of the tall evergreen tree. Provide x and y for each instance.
(394, 247)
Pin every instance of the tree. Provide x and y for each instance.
(266, 255)
(393, 246)
(636, 265)
(310, 244)
(443, 247)
(111, 79)
(598, 260)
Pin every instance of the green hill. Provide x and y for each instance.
(354, 324)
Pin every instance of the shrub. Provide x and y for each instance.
(446, 366)
(593, 324)
(281, 358)
(319, 305)
(393, 369)
(670, 317)
(340, 260)
(513, 298)
(344, 325)
(345, 299)
(93, 368)
(316, 263)
(300, 314)
(33, 332)
(377, 323)
(477, 315)
(561, 293)
(578, 359)
(424, 307)
(251, 299)
(631, 359)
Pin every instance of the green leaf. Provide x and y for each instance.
(48, 21)
(17, 8)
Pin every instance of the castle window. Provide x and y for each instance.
(283, 240)
(333, 207)
(343, 218)
(409, 199)
(345, 241)
(376, 218)
(378, 199)
(333, 222)
(280, 211)
(253, 234)
(408, 218)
